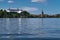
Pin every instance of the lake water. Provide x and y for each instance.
(30, 27)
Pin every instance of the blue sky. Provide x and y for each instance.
(33, 6)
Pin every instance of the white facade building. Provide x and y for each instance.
(14, 10)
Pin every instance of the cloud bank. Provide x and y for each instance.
(10, 1)
(30, 9)
(39, 0)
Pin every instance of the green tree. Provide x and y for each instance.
(1, 13)
(24, 14)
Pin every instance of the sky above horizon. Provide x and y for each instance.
(33, 6)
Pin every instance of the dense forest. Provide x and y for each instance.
(25, 14)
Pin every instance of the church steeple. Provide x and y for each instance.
(42, 12)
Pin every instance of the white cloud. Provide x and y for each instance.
(39, 0)
(10, 1)
(30, 9)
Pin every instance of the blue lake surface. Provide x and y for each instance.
(29, 28)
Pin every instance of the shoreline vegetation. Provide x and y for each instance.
(25, 14)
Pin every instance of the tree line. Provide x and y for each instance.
(25, 14)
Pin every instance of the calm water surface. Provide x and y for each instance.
(30, 27)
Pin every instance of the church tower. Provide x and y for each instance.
(42, 14)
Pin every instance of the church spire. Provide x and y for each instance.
(42, 12)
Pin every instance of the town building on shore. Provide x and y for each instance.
(42, 14)
(14, 10)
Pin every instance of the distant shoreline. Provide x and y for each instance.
(29, 38)
(25, 14)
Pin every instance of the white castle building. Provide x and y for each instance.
(14, 10)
